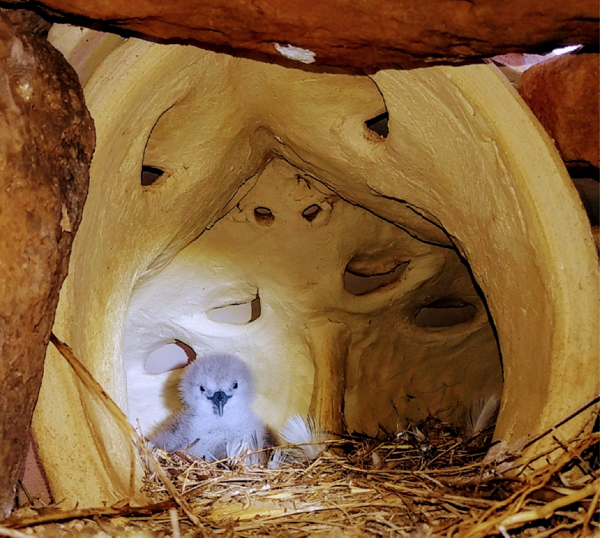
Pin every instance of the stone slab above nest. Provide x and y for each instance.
(388, 34)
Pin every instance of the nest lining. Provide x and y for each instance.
(430, 480)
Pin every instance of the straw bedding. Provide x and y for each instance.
(427, 480)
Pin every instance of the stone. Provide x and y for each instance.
(365, 35)
(46, 143)
(564, 95)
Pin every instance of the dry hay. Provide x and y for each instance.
(429, 480)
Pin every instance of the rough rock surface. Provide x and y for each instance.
(389, 33)
(564, 94)
(46, 143)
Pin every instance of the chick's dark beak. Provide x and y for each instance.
(219, 399)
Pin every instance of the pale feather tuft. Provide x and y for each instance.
(482, 414)
(242, 450)
(279, 458)
(297, 431)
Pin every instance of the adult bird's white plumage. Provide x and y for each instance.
(217, 393)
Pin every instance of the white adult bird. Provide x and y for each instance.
(217, 392)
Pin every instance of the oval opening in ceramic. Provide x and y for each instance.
(237, 314)
(445, 313)
(150, 175)
(311, 212)
(169, 357)
(263, 216)
(358, 284)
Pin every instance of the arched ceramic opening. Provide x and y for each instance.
(460, 166)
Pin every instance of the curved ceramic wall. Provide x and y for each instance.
(464, 164)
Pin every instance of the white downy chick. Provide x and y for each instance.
(217, 393)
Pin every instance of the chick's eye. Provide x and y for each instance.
(201, 388)
(235, 385)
